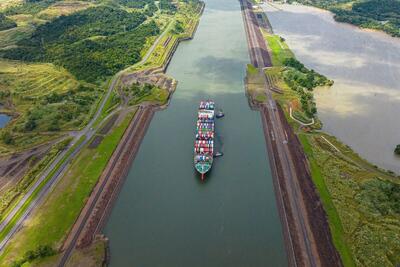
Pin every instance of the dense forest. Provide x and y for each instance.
(303, 81)
(374, 14)
(99, 40)
(6, 23)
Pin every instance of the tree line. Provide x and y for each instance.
(91, 44)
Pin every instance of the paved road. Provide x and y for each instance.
(278, 137)
(298, 121)
(88, 133)
(148, 54)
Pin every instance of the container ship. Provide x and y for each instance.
(204, 143)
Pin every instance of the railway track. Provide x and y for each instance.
(259, 55)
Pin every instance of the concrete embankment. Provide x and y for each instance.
(305, 226)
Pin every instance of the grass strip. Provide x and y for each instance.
(280, 50)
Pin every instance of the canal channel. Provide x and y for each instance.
(164, 215)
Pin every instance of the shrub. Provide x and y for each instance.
(7, 138)
(31, 255)
(6, 23)
(397, 150)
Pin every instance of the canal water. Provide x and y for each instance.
(164, 215)
(362, 107)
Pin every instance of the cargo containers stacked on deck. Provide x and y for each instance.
(204, 143)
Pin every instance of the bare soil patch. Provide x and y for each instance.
(96, 141)
(110, 123)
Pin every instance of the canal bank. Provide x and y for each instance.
(164, 216)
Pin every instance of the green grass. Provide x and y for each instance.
(261, 98)
(252, 70)
(280, 50)
(35, 80)
(189, 16)
(333, 217)
(156, 96)
(52, 220)
(301, 116)
(255, 84)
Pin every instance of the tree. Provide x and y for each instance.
(30, 124)
(54, 126)
(7, 138)
(6, 23)
(397, 150)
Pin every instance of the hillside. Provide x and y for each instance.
(373, 14)
(55, 56)
(55, 67)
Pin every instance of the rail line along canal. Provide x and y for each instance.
(163, 208)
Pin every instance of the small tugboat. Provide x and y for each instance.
(220, 114)
(218, 154)
(204, 143)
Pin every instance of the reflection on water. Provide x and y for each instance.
(362, 107)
